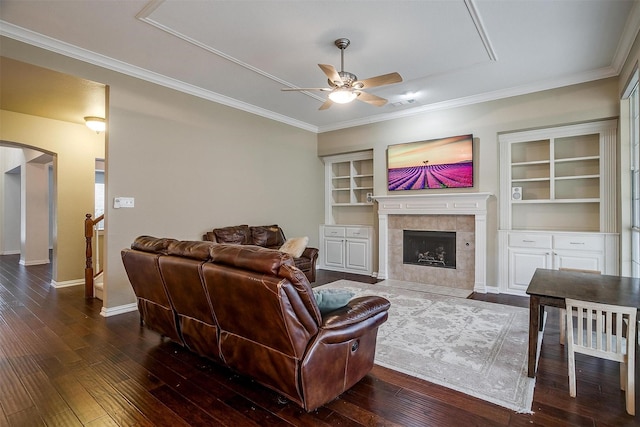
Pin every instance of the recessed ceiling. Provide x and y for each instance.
(28, 89)
(241, 53)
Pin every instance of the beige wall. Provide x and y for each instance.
(589, 101)
(191, 165)
(75, 148)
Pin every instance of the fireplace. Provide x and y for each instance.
(464, 213)
(429, 248)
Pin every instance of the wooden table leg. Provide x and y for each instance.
(534, 324)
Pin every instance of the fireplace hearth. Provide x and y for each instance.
(429, 248)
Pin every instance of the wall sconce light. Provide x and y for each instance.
(96, 124)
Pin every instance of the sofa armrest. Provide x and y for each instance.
(343, 351)
(356, 311)
(311, 253)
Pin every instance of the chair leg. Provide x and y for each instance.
(630, 390)
(572, 371)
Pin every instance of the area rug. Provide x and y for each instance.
(475, 347)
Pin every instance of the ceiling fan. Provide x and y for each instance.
(345, 86)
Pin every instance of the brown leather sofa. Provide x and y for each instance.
(267, 236)
(250, 308)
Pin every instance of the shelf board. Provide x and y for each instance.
(341, 189)
(531, 179)
(341, 177)
(363, 188)
(535, 162)
(351, 204)
(564, 178)
(554, 201)
(577, 159)
(368, 175)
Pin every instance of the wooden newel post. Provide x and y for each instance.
(88, 271)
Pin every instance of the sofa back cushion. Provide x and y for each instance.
(269, 236)
(235, 235)
(152, 244)
(182, 278)
(249, 257)
(153, 300)
(197, 250)
(266, 322)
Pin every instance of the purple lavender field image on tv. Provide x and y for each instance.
(437, 163)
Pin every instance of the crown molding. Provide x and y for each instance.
(599, 74)
(629, 34)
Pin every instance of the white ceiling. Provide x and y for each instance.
(241, 53)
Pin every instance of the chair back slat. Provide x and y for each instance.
(599, 329)
(605, 331)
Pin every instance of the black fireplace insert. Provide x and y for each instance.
(429, 248)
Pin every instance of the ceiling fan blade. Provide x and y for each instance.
(385, 79)
(332, 74)
(371, 99)
(323, 89)
(328, 103)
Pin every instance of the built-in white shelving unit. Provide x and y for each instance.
(557, 201)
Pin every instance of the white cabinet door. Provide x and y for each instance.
(357, 254)
(579, 260)
(522, 265)
(334, 255)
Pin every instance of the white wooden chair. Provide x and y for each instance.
(605, 331)
(563, 313)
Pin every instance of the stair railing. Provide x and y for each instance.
(91, 228)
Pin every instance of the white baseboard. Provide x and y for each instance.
(67, 283)
(10, 252)
(493, 290)
(121, 309)
(34, 262)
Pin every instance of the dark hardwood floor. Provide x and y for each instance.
(62, 364)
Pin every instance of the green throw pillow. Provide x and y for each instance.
(332, 299)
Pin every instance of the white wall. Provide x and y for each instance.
(10, 161)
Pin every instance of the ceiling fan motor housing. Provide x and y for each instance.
(347, 79)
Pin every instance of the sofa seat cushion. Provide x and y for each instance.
(234, 235)
(303, 264)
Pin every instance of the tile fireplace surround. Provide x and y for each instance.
(398, 212)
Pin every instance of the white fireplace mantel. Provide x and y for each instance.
(436, 204)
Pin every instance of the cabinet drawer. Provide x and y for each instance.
(530, 240)
(334, 231)
(360, 232)
(583, 243)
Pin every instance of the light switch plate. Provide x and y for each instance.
(123, 202)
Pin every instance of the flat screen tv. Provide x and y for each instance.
(436, 163)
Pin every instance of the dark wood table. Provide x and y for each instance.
(551, 287)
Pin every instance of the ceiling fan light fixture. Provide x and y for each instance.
(96, 124)
(342, 96)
